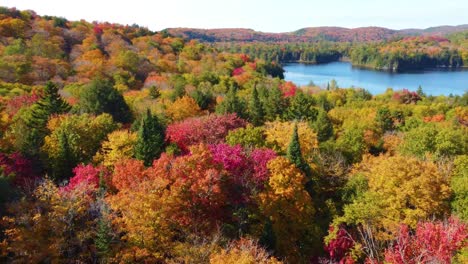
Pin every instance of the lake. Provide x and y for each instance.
(434, 82)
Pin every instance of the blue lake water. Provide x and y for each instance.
(434, 82)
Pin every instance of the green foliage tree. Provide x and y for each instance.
(301, 107)
(154, 92)
(384, 119)
(100, 97)
(63, 164)
(323, 126)
(232, 103)
(256, 112)
(459, 185)
(49, 104)
(273, 103)
(150, 139)
(294, 153)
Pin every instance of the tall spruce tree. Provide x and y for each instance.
(150, 142)
(49, 103)
(323, 126)
(100, 97)
(273, 103)
(256, 112)
(294, 153)
(232, 103)
(62, 168)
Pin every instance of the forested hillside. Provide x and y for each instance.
(311, 34)
(123, 145)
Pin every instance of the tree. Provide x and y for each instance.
(100, 97)
(273, 103)
(384, 119)
(209, 129)
(150, 139)
(323, 126)
(74, 139)
(279, 134)
(65, 160)
(301, 108)
(154, 92)
(119, 145)
(294, 153)
(49, 103)
(288, 206)
(256, 113)
(231, 103)
(459, 185)
(400, 190)
(182, 108)
(432, 242)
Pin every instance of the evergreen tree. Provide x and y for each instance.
(268, 238)
(323, 126)
(50, 103)
(101, 97)
(301, 108)
(384, 119)
(150, 142)
(294, 153)
(420, 92)
(104, 232)
(154, 92)
(273, 103)
(232, 103)
(63, 166)
(256, 113)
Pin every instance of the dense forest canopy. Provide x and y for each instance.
(123, 145)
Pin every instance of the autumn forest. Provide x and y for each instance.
(119, 144)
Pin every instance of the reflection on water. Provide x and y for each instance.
(434, 82)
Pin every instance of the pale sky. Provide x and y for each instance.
(261, 15)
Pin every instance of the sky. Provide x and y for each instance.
(260, 15)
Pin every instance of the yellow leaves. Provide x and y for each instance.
(243, 252)
(287, 205)
(119, 145)
(286, 180)
(401, 190)
(183, 108)
(278, 134)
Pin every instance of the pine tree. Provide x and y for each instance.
(150, 142)
(256, 113)
(323, 126)
(104, 233)
(420, 92)
(384, 119)
(294, 153)
(301, 108)
(50, 103)
(101, 97)
(232, 103)
(62, 168)
(154, 92)
(273, 103)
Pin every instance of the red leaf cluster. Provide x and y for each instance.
(210, 129)
(432, 242)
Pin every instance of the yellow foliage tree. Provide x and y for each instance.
(400, 190)
(278, 135)
(288, 206)
(142, 217)
(183, 108)
(119, 145)
(244, 251)
(53, 226)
